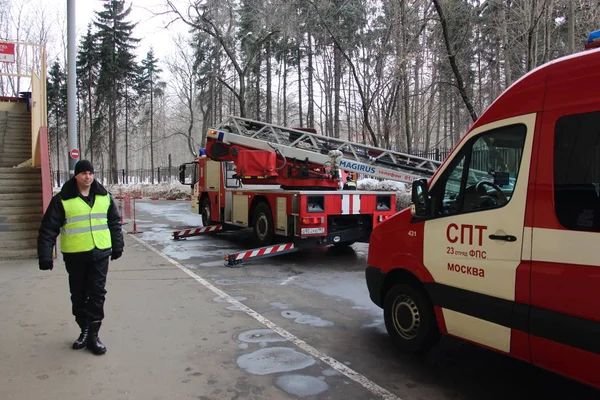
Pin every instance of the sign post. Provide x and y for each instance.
(7, 52)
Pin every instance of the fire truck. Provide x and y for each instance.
(499, 247)
(285, 185)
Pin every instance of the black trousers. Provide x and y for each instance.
(87, 281)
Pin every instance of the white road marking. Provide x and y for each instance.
(291, 278)
(333, 363)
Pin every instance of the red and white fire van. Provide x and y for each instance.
(499, 246)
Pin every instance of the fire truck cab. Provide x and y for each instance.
(499, 246)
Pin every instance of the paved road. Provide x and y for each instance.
(320, 297)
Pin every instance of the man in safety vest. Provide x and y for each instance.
(88, 221)
(350, 184)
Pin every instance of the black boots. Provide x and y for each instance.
(81, 341)
(93, 341)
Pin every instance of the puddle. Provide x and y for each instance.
(281, 306)
(219, 299)
(311, 320)
(301, 385)
(378, 324)
(262, 336)
(330, 372)
(273, 360)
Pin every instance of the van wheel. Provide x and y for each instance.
(262, 224)
(410, 319)
(205, 212)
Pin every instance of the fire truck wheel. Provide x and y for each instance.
(410, 319)
(205, 212)
(262, 224)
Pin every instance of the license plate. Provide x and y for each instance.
(312, 231)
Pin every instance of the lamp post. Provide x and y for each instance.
(71, 87)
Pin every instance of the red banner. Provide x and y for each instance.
(7, 52)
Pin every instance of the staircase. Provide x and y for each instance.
(20, 189)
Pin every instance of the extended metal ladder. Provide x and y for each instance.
(304, 145)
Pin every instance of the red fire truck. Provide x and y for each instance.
(285, 185)
(499, 246)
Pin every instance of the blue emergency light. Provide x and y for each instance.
(593, 40)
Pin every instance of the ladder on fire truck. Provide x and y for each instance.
(305, 145)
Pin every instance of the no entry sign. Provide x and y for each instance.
(7, 52)
(74, 154)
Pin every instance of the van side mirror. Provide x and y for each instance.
(421, 202)
(182, 169)
(190, 179)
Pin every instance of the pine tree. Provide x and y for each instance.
(56, 89)
(87, 75)
(116, 63)
(151, 86)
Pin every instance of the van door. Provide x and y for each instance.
(565, 271)
(473, 245)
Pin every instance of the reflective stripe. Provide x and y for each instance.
(84, 218)
(83, 230)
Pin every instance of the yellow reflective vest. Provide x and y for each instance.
(85, 227)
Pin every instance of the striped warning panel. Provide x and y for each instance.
(191, 232)
(263, 251)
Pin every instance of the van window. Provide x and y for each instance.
(484, 174)
(577, 171)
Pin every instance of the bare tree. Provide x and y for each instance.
(452, 59)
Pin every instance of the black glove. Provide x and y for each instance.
(116, 254)
(46, 265)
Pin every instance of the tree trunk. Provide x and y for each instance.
(284, 91)
(571, 27)
(152, 127)
(336, 91)
(505, 45)
(269, 95)
(452, 58)
(300, 86)
(311, 100)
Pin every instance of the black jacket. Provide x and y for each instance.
(54, 219)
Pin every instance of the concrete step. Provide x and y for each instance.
(19, 254)
(20, 189)
(16, 140)
(15, 180)
(14, 157)
(21, 210)
(21, 226)
(16, 196)
(19, 218)
(10, 164)
(20, 171)
(16, 143)
(18, 244)
(30, 234)
(23, 202)
(27, 181)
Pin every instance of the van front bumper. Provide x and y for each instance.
(375, 278)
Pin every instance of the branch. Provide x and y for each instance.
(452, 59)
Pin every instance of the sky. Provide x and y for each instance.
(151, 29)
